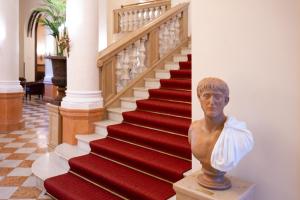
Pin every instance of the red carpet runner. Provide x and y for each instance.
(143, 156)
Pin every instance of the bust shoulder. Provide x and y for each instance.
(195, 128)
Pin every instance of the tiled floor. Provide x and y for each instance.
(19, 149)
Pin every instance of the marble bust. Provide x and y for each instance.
(218, 141)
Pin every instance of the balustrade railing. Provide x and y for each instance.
(131, 17)
(124, 62)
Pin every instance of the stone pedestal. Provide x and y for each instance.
(188, 189)
(50, 92)
(55, 132)
(77, 121)
(11, 105)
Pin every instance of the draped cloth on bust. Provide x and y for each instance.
(234, 142)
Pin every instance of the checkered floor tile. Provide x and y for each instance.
(19, 149)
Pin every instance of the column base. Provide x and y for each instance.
(78, 122)
(11, 108)
(189, 189)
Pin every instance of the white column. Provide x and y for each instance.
(9, 47)
(82, 72)
(49, 50)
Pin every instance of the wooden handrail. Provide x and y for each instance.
(116, 47)
(143, 5)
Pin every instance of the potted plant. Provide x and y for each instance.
(52, 14)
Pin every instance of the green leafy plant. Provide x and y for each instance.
(52, 14)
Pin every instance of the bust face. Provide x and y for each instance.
(213, 102)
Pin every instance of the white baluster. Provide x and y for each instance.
(126, 67)
(166, 38)
(151, 14)
(119, 71)
(135, 20)
(134, 60)
(121, 22)
(177, 30)
(142, 54)
(147, 17)
(172, 33)
(141, 18)
(161, 39)
(156, 12)
(125, 22)
(130, 21)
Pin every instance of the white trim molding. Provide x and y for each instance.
(85, 100)
(10, 87)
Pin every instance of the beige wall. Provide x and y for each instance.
(255, 45)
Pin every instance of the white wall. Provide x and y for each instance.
(254, 45)
(9, 41)
(26, 43)
(112, 5)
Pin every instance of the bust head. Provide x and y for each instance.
(213, 94)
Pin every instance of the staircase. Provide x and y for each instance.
(139, 152)
(142, 148)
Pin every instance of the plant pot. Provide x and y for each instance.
(59, 79)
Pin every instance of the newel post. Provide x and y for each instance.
(153, 47)
(184, 24)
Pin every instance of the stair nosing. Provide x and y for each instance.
(141, 140)
(167, 114)
(98, 185)
(154, 129)
(139, 145)
(130, 167)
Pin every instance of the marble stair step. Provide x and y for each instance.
(129, 102)
(141, 92)
(185, 51)
(46, 166)
(115, 114)
(84, 140)
(152, 83)
(100, 127)
(68, 151)
(162, 74)
(172, 66)
(180, 58)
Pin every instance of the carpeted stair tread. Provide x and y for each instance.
(164, 106)
(185, 65)
(158, 121)
(184, 84)
(147, 160)
(162, 141)
(184, 73)
(71, 187)
(120, 179)
(175, 95)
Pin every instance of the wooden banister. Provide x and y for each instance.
(133, 14)
(140, 50)
(143, 5)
